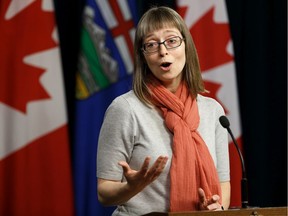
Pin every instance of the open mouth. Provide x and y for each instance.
(166, 65)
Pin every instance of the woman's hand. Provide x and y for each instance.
(138, 180)
(211, 204)
(116, 192)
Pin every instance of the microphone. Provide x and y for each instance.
(244, 187)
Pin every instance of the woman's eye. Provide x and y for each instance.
(149, 45)
(171, 41)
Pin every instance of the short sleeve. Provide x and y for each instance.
(115, 140)
(222, 147)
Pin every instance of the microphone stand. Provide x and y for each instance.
(244, 186)
(244, 183)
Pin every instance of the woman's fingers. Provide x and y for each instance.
(150, 174)
(202, 195)
(214, 206)
(145, 166)
(145, 174)
(158, 167)
(214, 199)
(208, 204)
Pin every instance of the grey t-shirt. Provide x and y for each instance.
(132, 131)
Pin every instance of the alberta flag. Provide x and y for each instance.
(105, 68)
(35, 168)
(209, 25)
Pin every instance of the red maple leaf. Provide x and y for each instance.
(26, 33)
(211, 41)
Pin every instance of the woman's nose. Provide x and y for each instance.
(163, 50)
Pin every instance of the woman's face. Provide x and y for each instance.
(166, 64)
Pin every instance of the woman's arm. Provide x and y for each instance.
(226, 193)
(116, 192)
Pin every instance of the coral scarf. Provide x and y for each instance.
(192, 165)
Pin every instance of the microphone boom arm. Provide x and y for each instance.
(244, 184)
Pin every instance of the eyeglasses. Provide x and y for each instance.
(169, 43)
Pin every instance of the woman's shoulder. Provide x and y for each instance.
(208, 103)
(128, 98)
(121, 100)
(207, 100)
(127, 101)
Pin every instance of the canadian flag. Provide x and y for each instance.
(209, 25)
(35, 169)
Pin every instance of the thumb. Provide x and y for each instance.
(125, 166)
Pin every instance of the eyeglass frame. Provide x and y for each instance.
(163, 42)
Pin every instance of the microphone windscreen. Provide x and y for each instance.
(224, 121)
